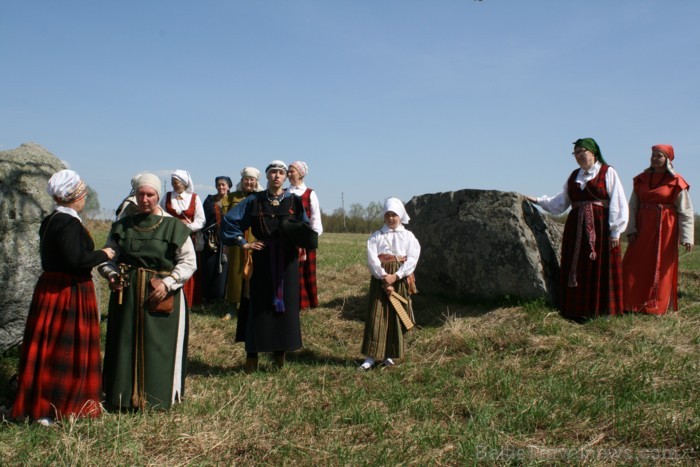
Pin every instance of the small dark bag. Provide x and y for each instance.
(299, 233)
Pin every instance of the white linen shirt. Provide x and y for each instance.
(181, 202)
(315, 217)
(618, 209)
(399, 242)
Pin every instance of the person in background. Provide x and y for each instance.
(128, 205)
(661, 216)
(591, 263)
(145, 360)
(184, 204)
(273, 323)
(59, 369)
(307, 258)
(214, 261)
(240, 261)
(392, 256)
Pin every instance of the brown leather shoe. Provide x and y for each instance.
(251, 365)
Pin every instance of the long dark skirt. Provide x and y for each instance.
(214, 275)
(59, 372)
(269, 330)
(598, 282)
(145, 353)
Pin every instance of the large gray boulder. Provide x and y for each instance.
(24, 202)
(485, 245)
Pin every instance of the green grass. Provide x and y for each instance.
(493, 385)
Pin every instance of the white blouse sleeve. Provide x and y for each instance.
(199, 220)
(686, 219)
(412, 254)
(618, 210)
(185, 266)
(375, 266)
(557, 204)
(315, 219)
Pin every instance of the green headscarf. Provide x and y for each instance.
(591, 145)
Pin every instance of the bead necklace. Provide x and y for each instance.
(275, 199)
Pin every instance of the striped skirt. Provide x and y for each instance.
(308, 291)
(384, 333)
(59, 370)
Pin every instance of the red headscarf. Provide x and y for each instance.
(665, 148)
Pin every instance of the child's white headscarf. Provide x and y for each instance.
(395, 205)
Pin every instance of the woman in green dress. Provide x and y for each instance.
(147, 327)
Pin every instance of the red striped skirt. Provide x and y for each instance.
(59, 370)
(308, 296)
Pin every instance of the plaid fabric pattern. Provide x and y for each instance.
(308, 290)
(599, 289)
(383, 335)
(59, 371)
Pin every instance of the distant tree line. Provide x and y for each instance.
(358, 219)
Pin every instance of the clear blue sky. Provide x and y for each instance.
(380, 98)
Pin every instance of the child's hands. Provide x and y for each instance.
(389, 279)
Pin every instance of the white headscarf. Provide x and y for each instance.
(66, 186)
(146, 179)
(395, 205)
(276, 165)
(249, 172)
(185, 178)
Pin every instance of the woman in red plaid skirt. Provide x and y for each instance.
(59, 371)
(591, 266)
(308, 290)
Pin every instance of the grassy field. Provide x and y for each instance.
(488, 385)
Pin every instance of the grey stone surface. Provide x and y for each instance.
(485, 245)
(24, 173)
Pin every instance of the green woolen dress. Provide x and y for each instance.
(146, 351)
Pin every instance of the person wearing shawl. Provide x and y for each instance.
(307, 258)
(145, 358)
(239, 260)
(392, 256)
(184, 204)
(661, 217)
(272, 323)
(591, 265)
(59, 369)
(214, 261)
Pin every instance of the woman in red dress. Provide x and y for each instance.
(59, 369)
(661, 217)
(307, 258)
(591, 263)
